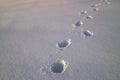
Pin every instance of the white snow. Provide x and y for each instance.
(29, 30)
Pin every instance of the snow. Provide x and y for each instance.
(29, 31)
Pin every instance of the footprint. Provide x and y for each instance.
(59, 66)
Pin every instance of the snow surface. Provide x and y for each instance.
(30, 29)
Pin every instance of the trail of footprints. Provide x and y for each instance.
(61, 65)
